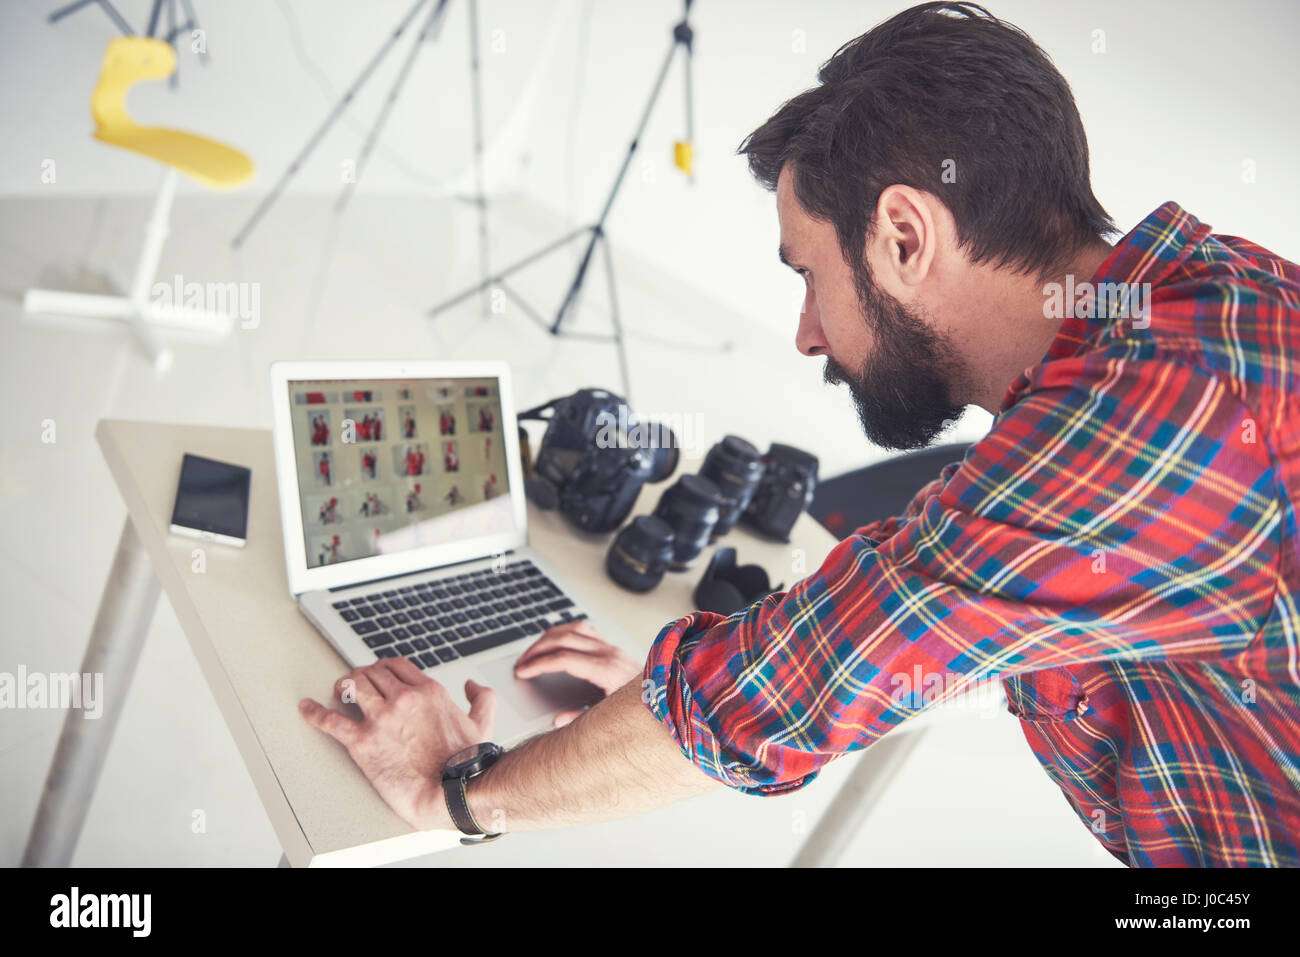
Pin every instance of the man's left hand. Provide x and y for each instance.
(410, 726)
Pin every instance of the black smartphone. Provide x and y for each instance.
(212, 501)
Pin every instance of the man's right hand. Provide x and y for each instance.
(576, 648)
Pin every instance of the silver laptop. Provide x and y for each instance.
(405, 526)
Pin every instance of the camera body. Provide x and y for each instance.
(595, 457)
(786, 488)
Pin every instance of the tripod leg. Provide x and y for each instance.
(681, 36)
(171, 41)
(575, 288)
(526, 309)
(599, 228)
(480, 196)
(636, 137)
(116, 17)
(153, 18)
(193, 21)
(269, 200)
(687, 67)
(178, 30)
(71, 8)
(431, 25)
(492, 280)
(620, 346)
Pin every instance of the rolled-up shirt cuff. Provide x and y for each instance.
(666, 691)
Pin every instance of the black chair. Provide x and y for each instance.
(879, 491)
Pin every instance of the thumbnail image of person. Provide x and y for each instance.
(413, 503)
(447, 422)
(410, 460)
(329, 512)
(373, 505)
(482, 416)
(320, 429)
(330, 552)
(453, 497)
(487, 449)
(324, 469)
(415, 461)
(369, 462)
(490, 487)
(450, 460)
(369, 425)
(407, 415)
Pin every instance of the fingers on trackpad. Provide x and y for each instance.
(545, 694)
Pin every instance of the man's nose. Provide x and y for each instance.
(809, 339)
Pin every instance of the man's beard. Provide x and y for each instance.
(903, 391)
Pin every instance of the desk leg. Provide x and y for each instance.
(844, 818)
(125, 610)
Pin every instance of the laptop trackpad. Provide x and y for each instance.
(544, 694)
(500, 675)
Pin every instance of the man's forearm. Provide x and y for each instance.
(614, 761)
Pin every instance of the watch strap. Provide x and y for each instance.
(457, 794)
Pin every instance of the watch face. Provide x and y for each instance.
(468, 756)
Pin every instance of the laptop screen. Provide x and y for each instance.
(387, 465)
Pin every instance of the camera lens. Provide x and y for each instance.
(640, 553)
(735, 467)
(659, 445)
(663, 459)
(690, 506)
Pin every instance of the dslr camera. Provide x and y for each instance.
(594, 458)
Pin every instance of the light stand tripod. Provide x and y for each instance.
(683, 37)
(429, 30)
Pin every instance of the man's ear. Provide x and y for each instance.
(906, 236)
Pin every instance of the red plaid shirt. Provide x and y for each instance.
(1120, 550)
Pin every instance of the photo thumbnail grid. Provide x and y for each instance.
(375, 456)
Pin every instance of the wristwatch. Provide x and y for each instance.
(462, 767)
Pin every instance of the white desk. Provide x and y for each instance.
(260, 656)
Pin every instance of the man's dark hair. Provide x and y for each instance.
(942, 86)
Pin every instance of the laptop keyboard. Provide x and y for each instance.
(450, 618)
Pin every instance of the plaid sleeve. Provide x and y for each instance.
(1123, 508)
